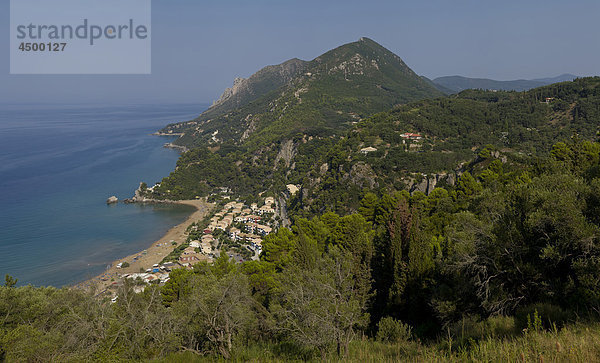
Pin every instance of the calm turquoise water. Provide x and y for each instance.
(58, 164)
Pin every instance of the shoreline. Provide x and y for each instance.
(154, 254)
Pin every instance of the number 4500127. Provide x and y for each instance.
(42, 47)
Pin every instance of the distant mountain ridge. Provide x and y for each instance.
(459, 83)
(319, 97)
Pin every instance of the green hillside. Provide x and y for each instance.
(457, 132)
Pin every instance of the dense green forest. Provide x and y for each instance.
(504, 265)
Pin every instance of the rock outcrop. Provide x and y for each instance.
(286, 153)
(429, 182)
(139, 197)
(363, 175)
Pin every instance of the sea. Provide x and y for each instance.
(59, 164)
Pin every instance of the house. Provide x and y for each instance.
(256, 242)
(411, 136)
(254, 218)
(265, 209)
(195, 244)
(269, 200)
(206, 247)
(250, 227)
(367, 150)
(188, 259)
(189, 251)
(253, 206)
(234, 233)
(208, 237)
(264, 230)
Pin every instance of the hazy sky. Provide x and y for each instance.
(200, 46)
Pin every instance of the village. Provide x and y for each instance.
(232, 227)
(235, 229)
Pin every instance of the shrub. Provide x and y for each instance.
(540, 315)
(125, 265)
(471, 329)
(392, 330)
(500, 326)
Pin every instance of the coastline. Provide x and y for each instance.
(154, 254)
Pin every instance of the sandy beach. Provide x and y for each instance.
(153, 254)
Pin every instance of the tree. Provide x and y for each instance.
(216, 312)
(368, 206)
(321, 307)
(278, 248)
(176, 287)
(10, 281)
(467, 186)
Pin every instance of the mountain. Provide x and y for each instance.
(459, 83)
(562, 78)
(320, 97)
(440, 88)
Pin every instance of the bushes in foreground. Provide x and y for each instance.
(575, 343)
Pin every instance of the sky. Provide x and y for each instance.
(200, 46)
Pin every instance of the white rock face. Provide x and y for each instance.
(112, 200)
(237, 85)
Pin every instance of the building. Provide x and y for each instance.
(206, 248)
(411, 136)
(234, 233)
(266, 209)
(262, 229)
(188, 260)
(189, 251)
(367, 150)
(208, 237)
